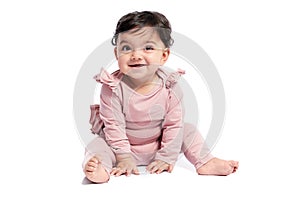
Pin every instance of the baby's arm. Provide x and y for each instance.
(115, 133)
(172, 134)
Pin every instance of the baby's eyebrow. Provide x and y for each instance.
(124, 41)
(151, 41)
(146, 42)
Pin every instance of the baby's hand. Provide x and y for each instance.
(125, 165)
(158, 166)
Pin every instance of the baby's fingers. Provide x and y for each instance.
(136, 171)
(151, 167)
(170, 168)
(157, 167)
(133, 170)
(162, 168)
(117, 171)
(113, 171)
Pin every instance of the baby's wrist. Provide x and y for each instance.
(123, 156)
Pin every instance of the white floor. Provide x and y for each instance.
(183, 182)
(252, 181)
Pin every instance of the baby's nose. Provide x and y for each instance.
(136, 54)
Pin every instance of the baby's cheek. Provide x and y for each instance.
(123, 66)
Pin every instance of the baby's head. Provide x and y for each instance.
(138, 20)
(142, 41)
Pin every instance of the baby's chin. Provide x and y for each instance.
(136, 72)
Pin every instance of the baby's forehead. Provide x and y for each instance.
(139, 35)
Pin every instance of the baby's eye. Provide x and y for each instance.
(125, 48)
(149, 48)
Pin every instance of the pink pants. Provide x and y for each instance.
(192, 147)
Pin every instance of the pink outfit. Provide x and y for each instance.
(149, 126)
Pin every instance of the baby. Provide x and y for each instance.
(139, 120)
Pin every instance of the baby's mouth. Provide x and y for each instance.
(137, 65)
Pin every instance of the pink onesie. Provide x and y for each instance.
(148, 126)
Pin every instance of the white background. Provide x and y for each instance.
(255, 46)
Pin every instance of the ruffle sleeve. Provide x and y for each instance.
(111, 80)
(173, 78)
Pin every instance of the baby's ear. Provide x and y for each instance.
(165, 56)
(116, 52)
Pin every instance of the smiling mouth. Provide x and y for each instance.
(137, 65)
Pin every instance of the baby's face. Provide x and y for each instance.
(140, 52)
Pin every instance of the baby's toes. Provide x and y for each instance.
(234, 164)
(236, 167)
(94, 160)
(89, 168)
(91, 165)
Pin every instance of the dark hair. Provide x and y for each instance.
(145, 18)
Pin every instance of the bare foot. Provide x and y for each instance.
(95, 172)
(219, 167)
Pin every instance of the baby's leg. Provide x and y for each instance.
(98, 161)
(194, 147)
(199, 155)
